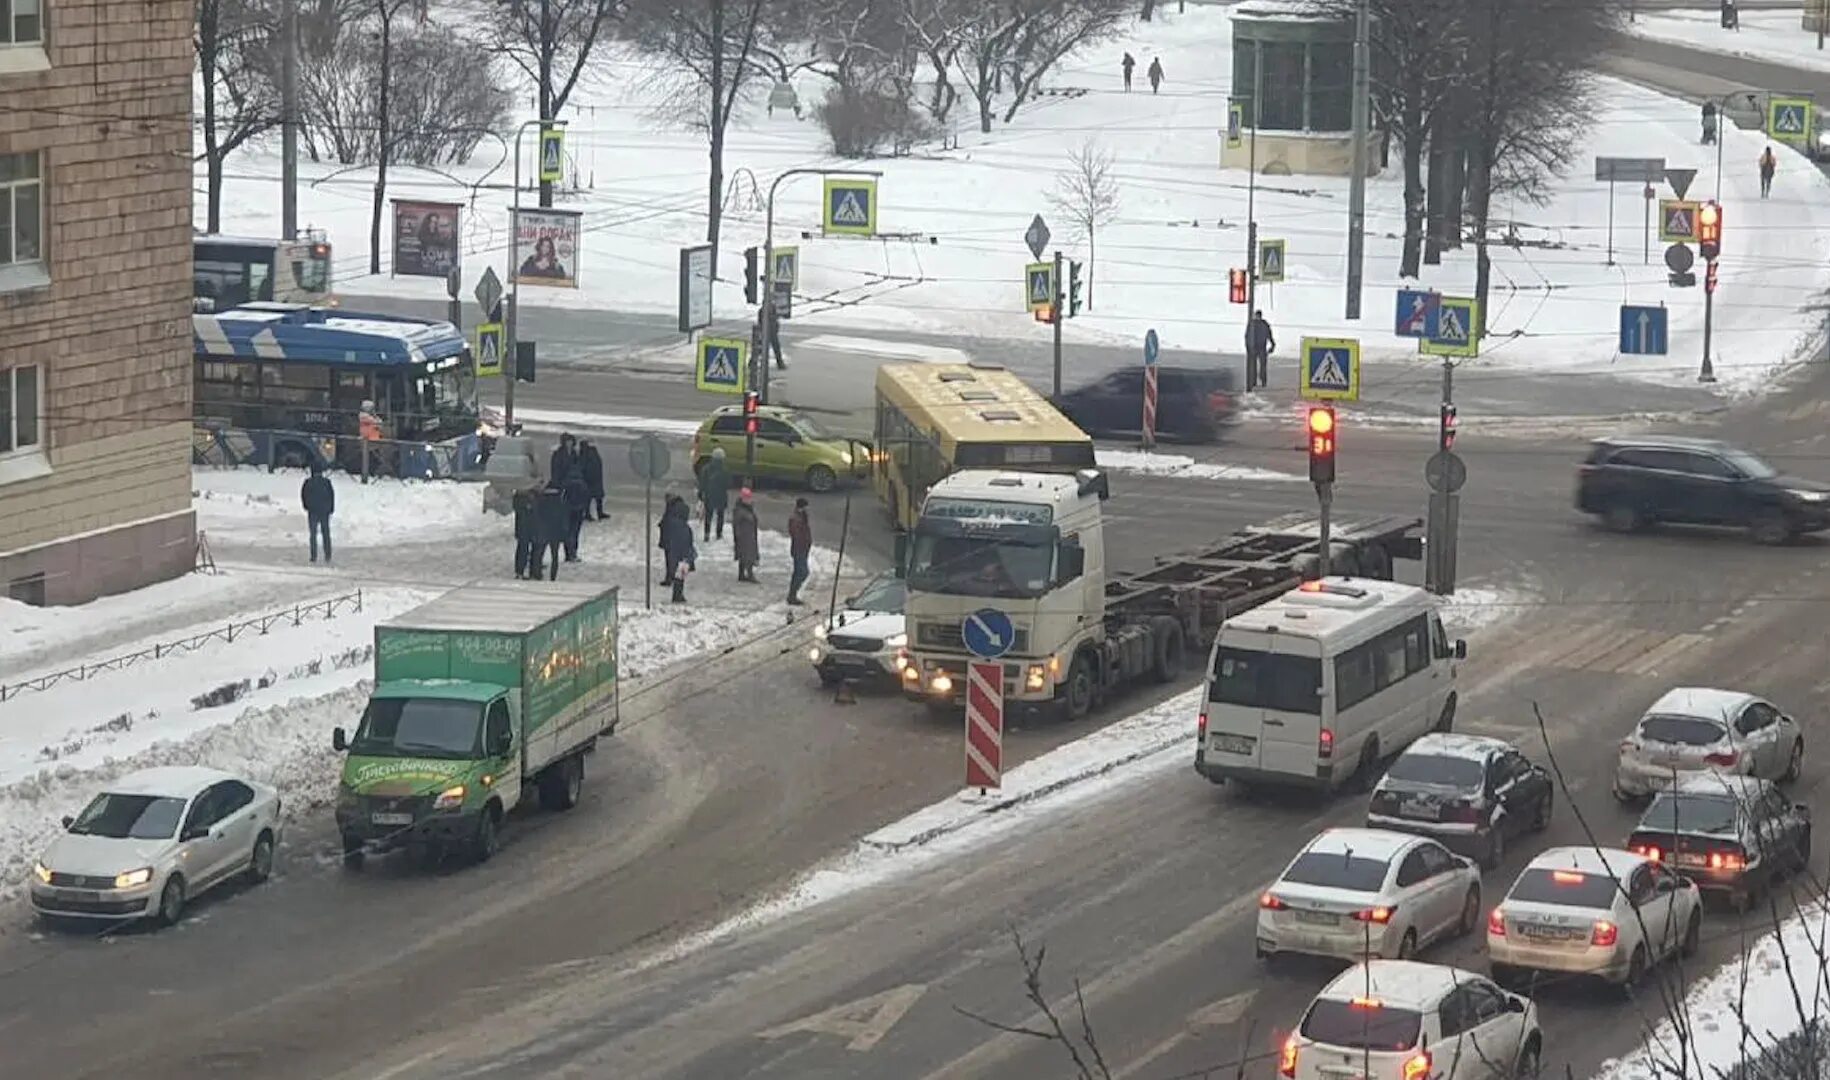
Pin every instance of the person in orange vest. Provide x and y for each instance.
(368, 423)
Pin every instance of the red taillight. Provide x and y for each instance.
(1324, 746)
(1727, 760)
(1650, 851)
(1380, 915)
(1727, 860)
(1465, 811)
(1496, 923)
(1271, 903)
(1201, 727)
(1417, 1067)
(1286, 1061)
(1605, 933)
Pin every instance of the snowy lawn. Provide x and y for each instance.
(1777, 37)
(1555, 302)
(264, 705)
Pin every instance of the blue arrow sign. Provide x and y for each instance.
(1150, 347)
(988, 633)
(1643, 330)
(1417, 313)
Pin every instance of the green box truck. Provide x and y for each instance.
(479, 695)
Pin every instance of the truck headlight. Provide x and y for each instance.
(909, 674)
(942, 684)
(1035, 677)
(896, 641)
(42, 872)
(814, 654)
(449, 799)
(133, 878)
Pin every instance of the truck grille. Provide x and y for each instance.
(946, 635)
(847, 643)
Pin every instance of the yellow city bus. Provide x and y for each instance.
(935, 418)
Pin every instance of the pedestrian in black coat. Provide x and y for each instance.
(743, 537)
(527, 534)
(593, 464)
(564, 459)
(555, 521)
(578, 507)
(320, 502)
(677, 546)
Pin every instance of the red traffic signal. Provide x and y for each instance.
(1446, 436)
(1045, 313)
(1709, 230)
(751, 399)
(1321, 443)
(1236, 285)
(1709, 278)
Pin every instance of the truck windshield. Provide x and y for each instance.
(1262, 680)
(981, 566)
(419, 727)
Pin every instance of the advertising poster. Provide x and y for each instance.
(426, 238)
(547, 241)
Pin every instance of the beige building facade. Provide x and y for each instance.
(95, 288)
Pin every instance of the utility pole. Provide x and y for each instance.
(1362, 125)
(1251, 220)
(510, 341)
(289, 120)
(1446, 474)
(1058, 312)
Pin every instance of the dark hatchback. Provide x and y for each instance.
(1631, 483)
(1730, 834)
(1192, 404)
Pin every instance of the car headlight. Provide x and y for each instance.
(42, 872)
(820, 631)
(814, 654)
(896, 641)
(1810, 496)
(449, 799)
(845, 456)
(133, 878)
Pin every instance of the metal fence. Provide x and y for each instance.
(328, 608)
(225, 446)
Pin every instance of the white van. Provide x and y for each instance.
(1315, 688)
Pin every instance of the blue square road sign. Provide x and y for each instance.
(1643, 330)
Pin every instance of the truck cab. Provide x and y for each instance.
(1027, 544)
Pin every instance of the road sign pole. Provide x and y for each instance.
(1610, 218)
(1251, 225)
(1058, 312)
(1356, 198)
(1648, 224)
(1439, 528)
(1708, 372)
(1324, 494)
(648, 549)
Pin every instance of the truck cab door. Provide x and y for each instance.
(499, 721)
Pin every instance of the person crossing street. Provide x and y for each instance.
(1260, 343)
(1768, 165)
(714, 493)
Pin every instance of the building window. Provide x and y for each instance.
(21, 22)
(21, 207)
(1330, 87)
(19, 410)
(1281, 82)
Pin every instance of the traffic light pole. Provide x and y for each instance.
(1251, 227)
(1059, 313)
(1442, 527)
(511, 336)
(1324, 494)
(1708, 372)
(766, 314)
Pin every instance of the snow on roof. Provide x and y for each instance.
(1283, 10)
(1325, 609)
(498, 607)
(1408, 983)
(1702, 703)
(1455, 745)
(169, 781)
(1719, 785)
(1613, 862)
(1366, 843)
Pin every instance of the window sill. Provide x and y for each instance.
(23, 277)
(23, 465)
(21, 59)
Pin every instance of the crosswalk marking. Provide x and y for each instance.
(1670, 649)
(1576, 645)
(1625, 650)
(1634, 645)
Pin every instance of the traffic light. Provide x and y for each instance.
(1709, 230)
(1045, 313)
(1321, 444)
(750, 401)
(1236, 284)
(1445, 440)
(1709, 277)
(749, 275)
(1073, 288)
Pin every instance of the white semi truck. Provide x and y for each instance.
(1033, 546)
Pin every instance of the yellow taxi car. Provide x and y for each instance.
(790, 446)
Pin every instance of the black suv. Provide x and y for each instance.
(1193, 404)
(1634, 482)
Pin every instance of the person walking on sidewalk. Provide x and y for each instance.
(555, 521)
(320, 501)
(714, 492)
(744, 543)
(593, 465)
(1768, 165)
(578, 507)
(1260, 343)
(1129, 64)
(800, 546)
(564, 457)
(527, 533)
(677, 546)
(1156, 73)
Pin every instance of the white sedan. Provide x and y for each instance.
(1691, 729)
(1581, 911)
(1355, 893)
(154, 839)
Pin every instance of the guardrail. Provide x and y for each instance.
(328, 608)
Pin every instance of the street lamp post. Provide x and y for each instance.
(514, 279)
(765, 319)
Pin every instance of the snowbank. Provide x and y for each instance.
(1150, 463)
(1775, 37)
(254, 506)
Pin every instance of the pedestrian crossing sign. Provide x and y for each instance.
(1235, 125)
(552, 144)
(851, 206)
(1457, 328)
(1677, 221)
(786, 268)
(489, 350)
(1788, 119)
(1039, 286)
(722, 365)
(1270, 261)
(1331, 369)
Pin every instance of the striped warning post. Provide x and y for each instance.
(1149, 404)
(984, 724)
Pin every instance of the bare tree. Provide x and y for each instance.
(1053, 30)
(239, 98)
(1087, 195)
(713, 47)
(550, 40)
(386, 11)
(981, 41)
(933, 27)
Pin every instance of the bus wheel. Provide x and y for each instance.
(290, 456)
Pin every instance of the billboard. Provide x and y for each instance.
(547, 245)
(695, 288)
(426, 238)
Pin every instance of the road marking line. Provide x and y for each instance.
(1570, 646)
(1630, 638)
(1227, 1011)
(1678, 644)
(864, 1023)
(1617, 658)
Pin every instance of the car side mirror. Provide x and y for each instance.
(68, 821)
(192, 834)
(1514, 1005)
(1461, 649)
(339, 739)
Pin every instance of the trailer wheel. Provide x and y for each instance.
(1077, 691)
(1166, 635)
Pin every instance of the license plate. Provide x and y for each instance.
(1416, 808)
(1693, 860)
(85, 895)
(1233, 744)
(1550, 933)
(391, 818)
(1320, 918)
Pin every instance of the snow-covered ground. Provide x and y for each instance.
(1161, 264)
(1777, 37)
(274, 697)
